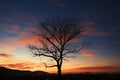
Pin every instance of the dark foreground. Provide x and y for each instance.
(81, 76)
(10, 74)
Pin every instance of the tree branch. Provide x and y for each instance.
(73, 51)
(49, 66)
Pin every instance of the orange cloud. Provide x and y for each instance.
(24, 66)
(10, 61)
(18, 66)
(14, 63)
(88, 53)
(21, 40)
(6, 55)
(25, 38)
(6, 58)
(102, 69)
(6, 47)
(93, 69)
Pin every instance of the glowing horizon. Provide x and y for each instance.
(12, 62)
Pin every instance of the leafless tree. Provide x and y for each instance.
(56, 38)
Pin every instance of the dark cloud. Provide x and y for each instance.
(59, 3)
(6, 55)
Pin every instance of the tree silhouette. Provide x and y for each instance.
(57, 37)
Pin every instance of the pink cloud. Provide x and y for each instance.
(25, 37)
(7, 19)
(6, 47)
(88, 53)
(59, 3)
(88, 31)
(101, 69)
(22, 39)
(10, 29)
(87, 23)
(94, 69)
(116, 28)
(7, 44)
(26, 18)
(100, 33)
(94, 32)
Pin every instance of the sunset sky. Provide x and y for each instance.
(101, 18)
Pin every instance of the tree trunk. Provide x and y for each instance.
(59, 73)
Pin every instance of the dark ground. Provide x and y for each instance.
(81, 76)
(9, 74)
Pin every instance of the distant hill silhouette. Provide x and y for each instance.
(8, 74)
